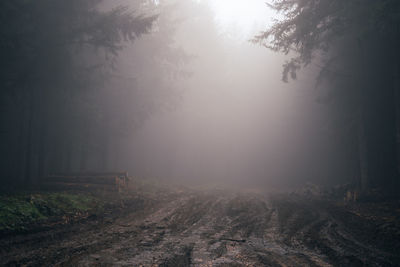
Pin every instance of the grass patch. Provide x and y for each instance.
(19, 212)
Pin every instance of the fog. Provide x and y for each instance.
(199, 133)
(176, 90)
(235, 120)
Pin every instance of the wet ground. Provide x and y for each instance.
(215, 229)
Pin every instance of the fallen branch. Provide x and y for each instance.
(233, 240)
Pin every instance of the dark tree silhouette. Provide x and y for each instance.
(355, 43)
(54, 54)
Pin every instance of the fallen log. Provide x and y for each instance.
(84, 187)
(107, 180)
(115, 180)
(233, 240)
(119, 174)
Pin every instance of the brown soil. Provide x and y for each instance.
(215, 229)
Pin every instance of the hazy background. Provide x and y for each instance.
(235, 119)
(188, 98)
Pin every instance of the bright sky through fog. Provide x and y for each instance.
(241, 18)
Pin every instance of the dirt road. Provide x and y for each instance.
(213, 229)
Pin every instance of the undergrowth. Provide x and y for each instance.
(19, 212)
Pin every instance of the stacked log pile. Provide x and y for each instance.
(113, 181)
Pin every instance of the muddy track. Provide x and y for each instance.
(212, 229)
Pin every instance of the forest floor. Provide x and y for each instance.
(217, 228)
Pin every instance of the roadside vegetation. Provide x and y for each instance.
(32, 211)
(20, 212)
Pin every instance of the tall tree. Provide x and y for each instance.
(47, 50)
(356, 44)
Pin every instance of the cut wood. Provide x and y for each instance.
(117, 180)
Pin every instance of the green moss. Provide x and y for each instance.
(21, 211)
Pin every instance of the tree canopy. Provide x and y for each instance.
(311, 28)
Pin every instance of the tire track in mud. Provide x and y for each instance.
(222, 229)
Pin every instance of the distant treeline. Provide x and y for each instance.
(65, 104)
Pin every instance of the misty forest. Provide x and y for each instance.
(200, 133)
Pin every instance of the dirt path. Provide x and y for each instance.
(212, 229)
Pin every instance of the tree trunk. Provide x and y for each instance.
(363, 181)
(117, 158)
(68, 157)
(361, 117)
(396, 87)
(42, 136)
(105, 157)
(20, 153)
(28, 155)
(84, 151)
